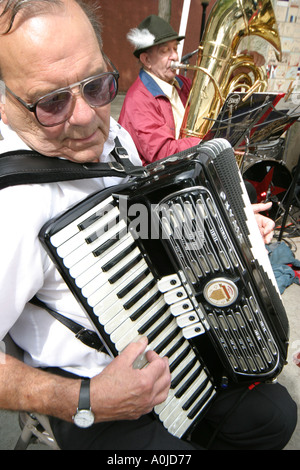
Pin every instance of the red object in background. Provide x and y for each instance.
(296, 359)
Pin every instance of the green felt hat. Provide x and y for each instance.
(152, 31)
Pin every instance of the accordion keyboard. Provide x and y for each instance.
(112, 279)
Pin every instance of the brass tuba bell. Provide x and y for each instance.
(216, 72)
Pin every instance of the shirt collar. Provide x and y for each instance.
(152, 85)
(166, 87)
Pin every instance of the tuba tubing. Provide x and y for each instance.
(216, 72)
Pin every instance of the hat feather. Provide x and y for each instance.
(140, 38)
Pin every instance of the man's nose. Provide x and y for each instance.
(82, 111)
(174, 55)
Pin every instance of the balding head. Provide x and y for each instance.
(14, 12)
(51, 45)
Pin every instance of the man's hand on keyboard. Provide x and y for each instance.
(122, 392)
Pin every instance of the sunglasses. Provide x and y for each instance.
(56, 107)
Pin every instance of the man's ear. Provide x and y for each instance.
(144, 58)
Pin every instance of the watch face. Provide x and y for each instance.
(84, 418)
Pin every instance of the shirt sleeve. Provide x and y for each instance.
(21, 273)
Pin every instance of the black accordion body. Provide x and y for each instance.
(176, 255)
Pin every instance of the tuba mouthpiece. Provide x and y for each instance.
(177, 65)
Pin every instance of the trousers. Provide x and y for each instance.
(263, 417)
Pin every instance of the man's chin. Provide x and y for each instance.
(90, 155)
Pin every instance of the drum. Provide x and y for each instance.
(268, 149)
(270, 178)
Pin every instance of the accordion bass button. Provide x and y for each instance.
(181, 307)
(193, 330)
(167, 283)
(187, 319)
(175, 295)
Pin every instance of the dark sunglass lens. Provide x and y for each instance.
(101, 91)
(54, 109)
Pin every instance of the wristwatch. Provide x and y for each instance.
(84, 417)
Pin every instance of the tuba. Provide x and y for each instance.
(217, 69)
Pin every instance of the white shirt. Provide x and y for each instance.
(171, 93)
(26, 269)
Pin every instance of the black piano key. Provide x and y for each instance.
(133, 283)
(188, 383)
(164, 343)
(195, 395)
(94, 217)
(175, 347)
(180, 376)
(139, 295)
(98, 233)
(116, 259)
(179, 359)
(160, 328)
(200, 403)
(136, 315)
(125, 269)
(152, 320)
(105, 246)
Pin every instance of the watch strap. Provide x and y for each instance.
(84, 395)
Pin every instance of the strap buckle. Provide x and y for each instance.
(90, 338)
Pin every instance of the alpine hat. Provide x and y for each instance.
(152, 31)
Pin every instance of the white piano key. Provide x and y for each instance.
(93, 291)
(92, 270)
(171, 413)
(94, 285)
(131, 335)
(181, 422)
(122, 325)
(85, 249)
(127, 331)
(170, 402)
(67, 232)
(177, 402)
(108, 293)
(170, 345)
(108, 220)
(109, 327)
(90, 260)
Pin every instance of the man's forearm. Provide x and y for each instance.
(24, 388)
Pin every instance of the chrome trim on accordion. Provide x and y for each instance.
(197, 281)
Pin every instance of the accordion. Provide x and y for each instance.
(176, 255)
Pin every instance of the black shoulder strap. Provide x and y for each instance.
(87, 337)
(29, 167)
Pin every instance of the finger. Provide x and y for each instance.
(261, 207)
(133, 351)
(161, 377)
(158, 367)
